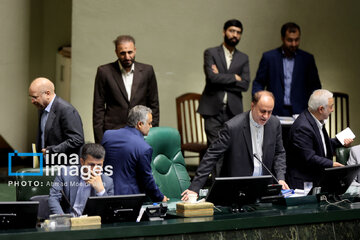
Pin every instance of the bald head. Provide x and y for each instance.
(41, 91)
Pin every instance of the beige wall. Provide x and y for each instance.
(14, 71)
(172, 35)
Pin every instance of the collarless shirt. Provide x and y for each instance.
(127, 78)
(288, 67)
(320, 126)
(228, 59)
(44, 118)
(257, 137)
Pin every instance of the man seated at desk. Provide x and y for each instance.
(71, 188)
(244, 138)
(310, 148)
(130, 156)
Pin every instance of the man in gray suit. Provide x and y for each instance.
(227, 76)
(120, 86)
(60, 126)
(245, 140)
(354, 159)
(71, 188)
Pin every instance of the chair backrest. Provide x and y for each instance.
(30, 186)
(339, 119)
(168, 165)
(43, 210)
(342, 155)
(190, 123)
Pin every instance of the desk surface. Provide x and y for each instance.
(264, 216)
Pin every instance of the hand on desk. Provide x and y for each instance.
(283, 184)
(337, 164)
(185, 196)
(165, 199)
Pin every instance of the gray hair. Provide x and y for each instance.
(319, 98)
(93, 149)
(122, 39)
(138, 113)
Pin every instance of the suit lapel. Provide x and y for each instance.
(316, 130)
(247, 136)
(117, 75)
(221, 55)
(50, 120)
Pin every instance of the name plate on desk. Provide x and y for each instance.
(195, 209)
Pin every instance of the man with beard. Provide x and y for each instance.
(121, 85)
(227, 76)
(289, 73)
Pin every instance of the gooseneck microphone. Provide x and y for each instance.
(257, 157)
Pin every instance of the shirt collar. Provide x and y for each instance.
(318, 123)
(227, 51)
(123, 70)
(252, 121)
(47, 109)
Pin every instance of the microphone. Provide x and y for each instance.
(68, 202)
(257, 157)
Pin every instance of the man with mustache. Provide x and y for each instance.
(121, 85)
(227, 76)
(245, 140)
(289, 73)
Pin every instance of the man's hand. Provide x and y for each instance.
(347, 142)
(238, 78)
(283, 184)
(165, 199)
(96, 182)
(337, 164)
(185, 196)
(214, 69)
(43, 151)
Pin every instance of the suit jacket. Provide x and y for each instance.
(306, 156)
(270, 76)
(111, 105)
(69, 184)
(234, 143)
(63, 129)
(211, 101)
(354, 159)
(130, 156)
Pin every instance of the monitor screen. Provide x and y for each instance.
(22, 214)
(229, 191)
(115, 208)
(335, 181)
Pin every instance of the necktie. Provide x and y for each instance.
(42, 127)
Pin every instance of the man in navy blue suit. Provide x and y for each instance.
(310, 148)
(130, 156)
(289, 73)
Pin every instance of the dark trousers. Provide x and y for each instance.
(213, 124)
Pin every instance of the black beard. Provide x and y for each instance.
(229, 42)
(124, 64)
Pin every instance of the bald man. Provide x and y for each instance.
(249, 134)
(60, 126)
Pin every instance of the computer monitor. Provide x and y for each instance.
(335, 181)
(22, 214)
(238, 191)
(116, 208)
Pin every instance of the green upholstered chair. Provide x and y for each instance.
(168, 165)
(29, 186)
(342, 155)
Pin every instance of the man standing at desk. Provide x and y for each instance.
(310, 148)
(121, 85)
(130, 156)
(60, 126)
(289, 73)
(245, 140)
(70, 191)
(227, 76)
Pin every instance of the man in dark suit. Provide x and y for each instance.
(227, 76)
(121, 85)
(289, 73)
(60, 126)
(130, 156)
(74, 184)
(249, 134)
(310, 148)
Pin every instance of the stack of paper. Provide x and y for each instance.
(195, 209)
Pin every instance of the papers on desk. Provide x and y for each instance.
(346, 133)
(286, 120)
